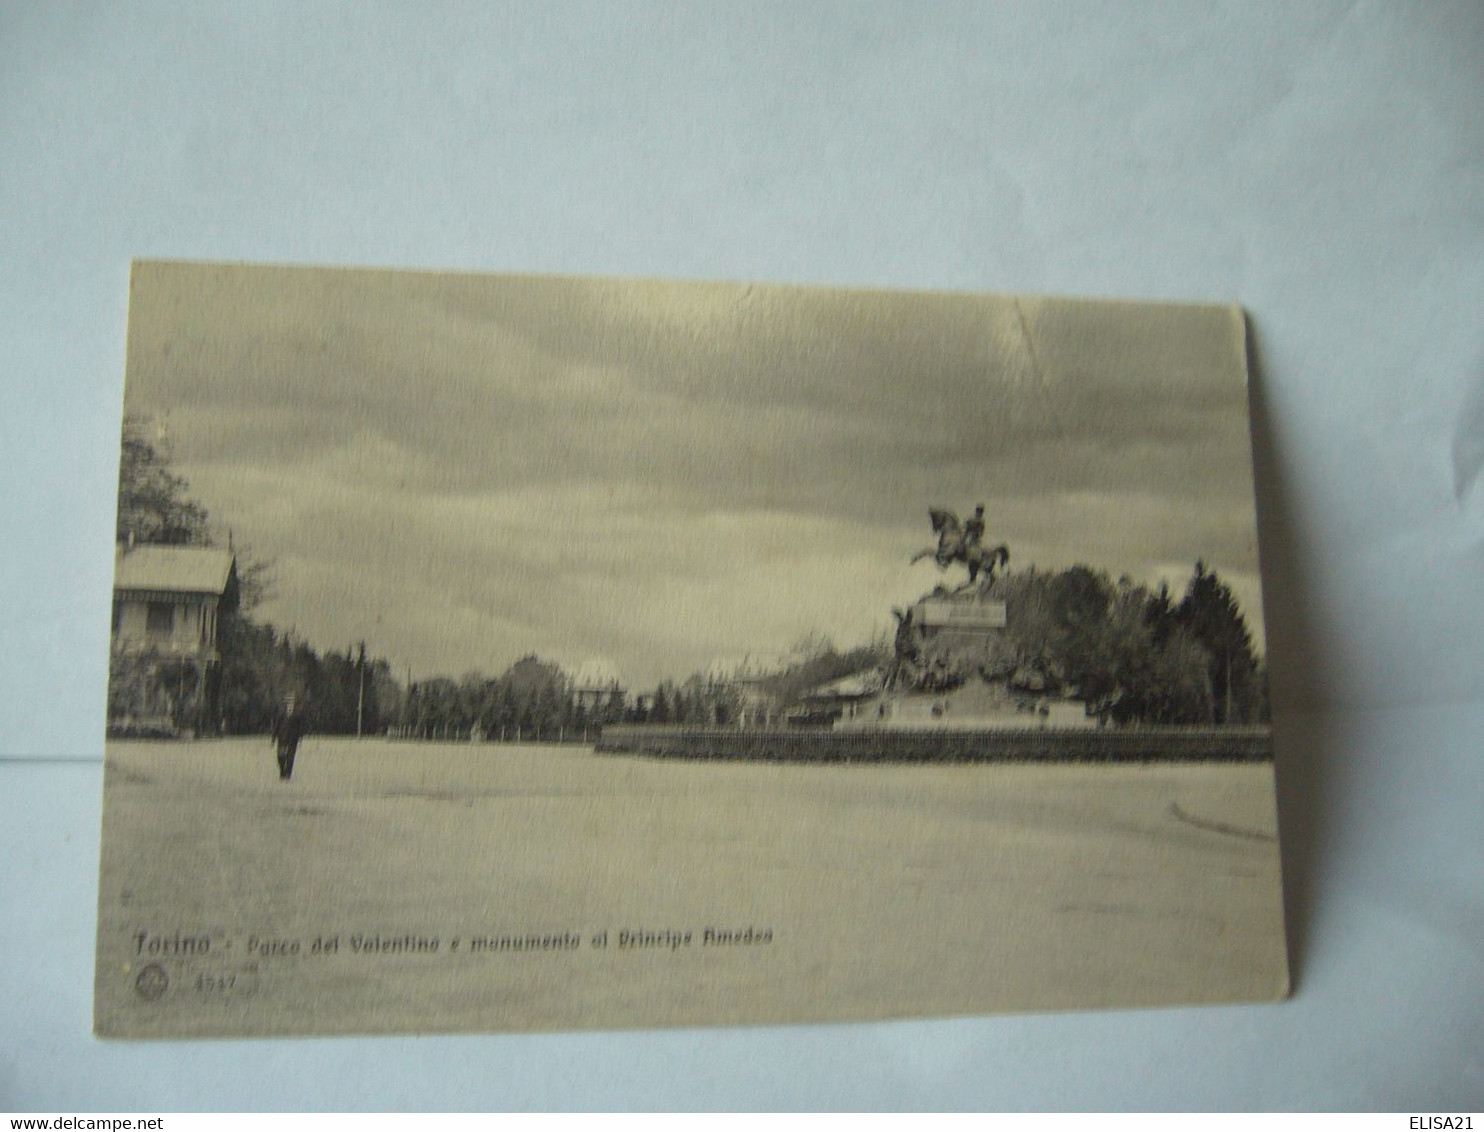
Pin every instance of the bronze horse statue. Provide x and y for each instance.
(955, 545)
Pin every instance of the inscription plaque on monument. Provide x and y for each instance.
(503, 653)
(962, 615)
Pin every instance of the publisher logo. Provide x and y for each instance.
(151, 983)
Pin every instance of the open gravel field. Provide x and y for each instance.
(441, 887)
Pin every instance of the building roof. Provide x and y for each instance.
(854, 687)
(179, 569)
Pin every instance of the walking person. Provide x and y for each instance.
(288, 729)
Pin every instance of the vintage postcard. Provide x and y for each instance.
(513, 653)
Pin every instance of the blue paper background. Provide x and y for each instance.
(1320, 164)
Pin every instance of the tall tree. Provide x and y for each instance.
(1210, 612)
(659, 711)
(153, 504)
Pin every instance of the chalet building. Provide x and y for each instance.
(165, 670)
(740, 693)
(841, 699)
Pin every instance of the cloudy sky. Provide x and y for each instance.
(464, 469)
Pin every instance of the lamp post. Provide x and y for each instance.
(360, 688)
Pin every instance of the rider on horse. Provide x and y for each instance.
(963, 543)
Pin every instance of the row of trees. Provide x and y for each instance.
(534, 699)
(698, 700)
(531, 699)
(346, 693)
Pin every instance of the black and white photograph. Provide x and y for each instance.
(519, 652)
(842, 557)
